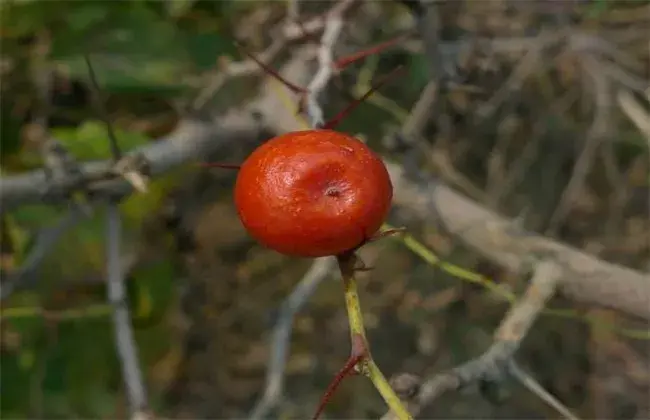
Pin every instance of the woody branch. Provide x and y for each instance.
(498, 359)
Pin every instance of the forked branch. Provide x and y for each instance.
(498, 359)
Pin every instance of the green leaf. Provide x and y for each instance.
(418, 67)
(90, 140)
(131, 46)
(9, 131)
(205, 48)
(85, 15)
(597, 8)
(14, 385)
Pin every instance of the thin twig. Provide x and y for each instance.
(597, 132)
(236, 69)
(290, 30)
(115, 289)
(536, 388)
(123, 331)
(333, 26)
(529, 63)
(427, 22)
(103, 113)
(494, 362)
(585, 278)
(635, 112)
(273, 389)
(293, 11)
(27, 274)
(191, 140)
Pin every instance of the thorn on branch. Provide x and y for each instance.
(352, 366)
(298, 90)
(345, 61)
(333, 122)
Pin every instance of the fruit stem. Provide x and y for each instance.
(358, 338)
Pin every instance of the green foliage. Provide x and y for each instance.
(9, 131)
(136, 46)
(133, 49)
(72, 363)
(90, 140)
(418, 72)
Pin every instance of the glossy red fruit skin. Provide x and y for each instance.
(313, 193)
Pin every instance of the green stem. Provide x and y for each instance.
(357, 330)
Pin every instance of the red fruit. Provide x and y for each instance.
(313, 193)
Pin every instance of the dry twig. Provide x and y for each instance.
(115, 288)
(273, 389)
(333, 26)
(27, 275)
(124, 339)
(585, 278)
(495, 361)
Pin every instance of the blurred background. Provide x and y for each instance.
(520, 128)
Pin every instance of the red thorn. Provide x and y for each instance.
(343, 62)
(294, 88)
(220, 165)
(382, 81)
(357, 355)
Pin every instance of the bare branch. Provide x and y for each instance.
(103, 114)
(427, 23)
(585, 278)
(273, 389)
(124, 339)
(236, 69)
(333, 26)
(596, 134)
(635, 112)
(495, 361)
(191, 140)
(27, 274)
(115, 289)
(533, 386)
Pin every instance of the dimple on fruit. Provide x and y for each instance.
(313, 193)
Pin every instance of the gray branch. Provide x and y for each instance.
(282, 334)
(497, 359)
(124, 339)
(192, 140)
